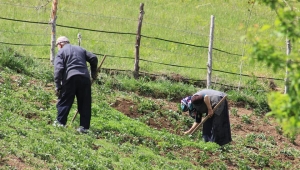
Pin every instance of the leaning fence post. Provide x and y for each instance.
(210, 47)
(79, 39)
(53, 30)
(288, 51)
(138, 42)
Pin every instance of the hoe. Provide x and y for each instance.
(207, 117)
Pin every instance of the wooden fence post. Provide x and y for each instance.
(288, 51)
(210, 47)
(53, 30)
(79, 39)
(138, 42)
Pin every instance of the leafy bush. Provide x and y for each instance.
(14, 61)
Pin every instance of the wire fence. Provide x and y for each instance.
(222, 56)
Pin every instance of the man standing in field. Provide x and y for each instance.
(72, 78)
(217, 127)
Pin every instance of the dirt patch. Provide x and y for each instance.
(130, 109)
(244, 122)
(15, 162)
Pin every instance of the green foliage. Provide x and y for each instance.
(157, 89)
(115, 141)
(14, 61)
(253, 95)
(246, 119)
(285, 107)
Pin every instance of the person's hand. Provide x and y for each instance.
(186, 133)
(57, 92)
(210, 112)
(94, 76)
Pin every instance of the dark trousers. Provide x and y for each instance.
(80, 87)
(217, 128)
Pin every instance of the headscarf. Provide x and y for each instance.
(186, 103)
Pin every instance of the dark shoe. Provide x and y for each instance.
(82, 130)
(56, 123)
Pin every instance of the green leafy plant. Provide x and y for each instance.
(234, 111)
(246, 119)
(284, 106)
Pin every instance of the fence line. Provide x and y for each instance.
(115, 32)
(129, 19)
(160, 75)
(126, 33)
(114, 17)
(99, 54)
(24, 44)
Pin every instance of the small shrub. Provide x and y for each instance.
(13, 60)
(262, 161)
(246, 119)
(251, 138)
(146, 106)
(279, 130)
(234, 111)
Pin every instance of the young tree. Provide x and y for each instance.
(284, 107)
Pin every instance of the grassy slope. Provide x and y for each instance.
(28, 104)
(115, 141)
(29, 141)
(183, 21)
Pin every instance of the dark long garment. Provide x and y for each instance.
(80, 87)
(217, 128)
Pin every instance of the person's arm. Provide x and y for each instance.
(93, 60)
(208, 105)
(58, 70)
(191, 129)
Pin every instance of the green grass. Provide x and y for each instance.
(115, 141)
(27, 132)
(182, 21)
(27, 99)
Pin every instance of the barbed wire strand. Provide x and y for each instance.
(20, 44)
(174, 65)
(35, 22)
(27, 6)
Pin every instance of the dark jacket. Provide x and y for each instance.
(214, 96)
(71, 60)
(216, 128)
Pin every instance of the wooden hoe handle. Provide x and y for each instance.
(207, 117)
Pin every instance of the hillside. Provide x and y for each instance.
(130, 129)
(136, 123)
